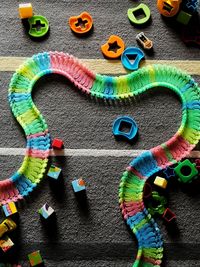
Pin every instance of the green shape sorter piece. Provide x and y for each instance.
(140, 9)
(186, 171)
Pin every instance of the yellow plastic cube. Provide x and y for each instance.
(25, 10)
(161, 182)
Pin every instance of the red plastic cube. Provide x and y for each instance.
(168, 215)
(57, 143)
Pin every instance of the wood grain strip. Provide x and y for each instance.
(6, 151)
(104, 66)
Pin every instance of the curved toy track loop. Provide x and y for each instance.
(139, 170)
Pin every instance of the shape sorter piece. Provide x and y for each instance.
(168, 8)
(168, 215)
(131, 58)
(46, 211)
(157, 204)
(169, 172)
(140, 14)
(57, 143)
(54, 172)
(161, 182)
(78, 185)
(81, 24)
(129, 123)
(38, 26)
(9, 209)
(114, 47)
(25, 10)
(186, 171)
(147, 190)
(6, 244)
(35, 258)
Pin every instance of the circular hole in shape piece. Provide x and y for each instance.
(186, 170)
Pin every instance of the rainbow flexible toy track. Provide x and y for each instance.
(139, 170)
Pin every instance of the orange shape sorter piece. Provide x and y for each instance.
(168, 8)
(81, 24)
(114, 47)
(25, 10)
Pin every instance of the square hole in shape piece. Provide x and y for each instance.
(54, 172)
(9, 209)
(35, 258)
(46, 211)
(125, 127)
(78, 185)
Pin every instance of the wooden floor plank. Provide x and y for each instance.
(109, 66)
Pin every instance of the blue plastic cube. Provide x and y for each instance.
(78, 185)
(54, 172)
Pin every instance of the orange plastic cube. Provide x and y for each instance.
(25, 10)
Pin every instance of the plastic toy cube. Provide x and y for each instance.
(78, 185)
(46, 211)
(168, 215)
(183, 17)
(6, 226)
(6, 244)
(57, 143)
(25, 10)
(54, 172)
(9, 209)
(161, 182)
(186, 171)
(35, 258)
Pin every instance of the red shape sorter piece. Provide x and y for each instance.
(168, 215)
(57, 143)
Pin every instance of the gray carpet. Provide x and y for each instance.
(94, 234)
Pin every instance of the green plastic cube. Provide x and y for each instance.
(186, 171)
(183, 17)
(35, 258)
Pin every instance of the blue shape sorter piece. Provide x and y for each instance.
(129, 54)
(127, 121)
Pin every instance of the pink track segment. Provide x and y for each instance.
(35, 153)
(134, 171)
(159, 155)
(68, 66)
(178, 151)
